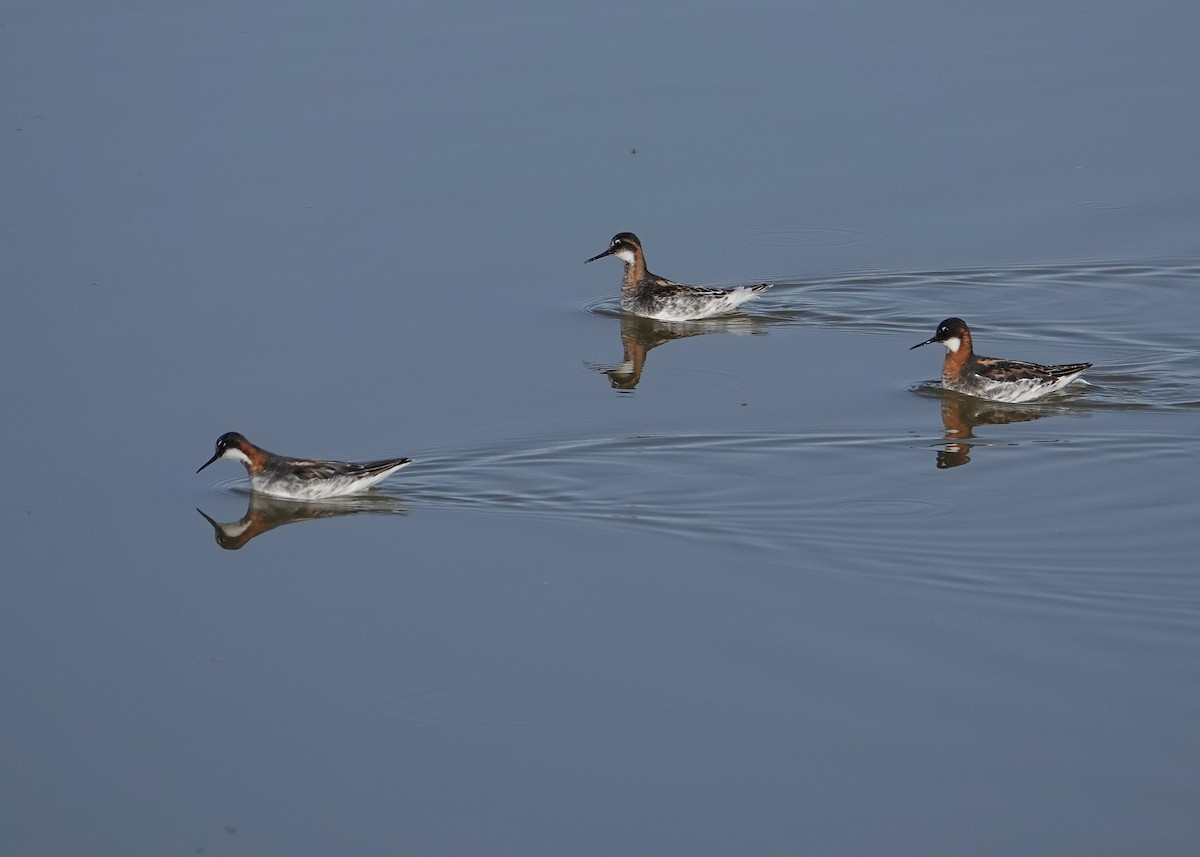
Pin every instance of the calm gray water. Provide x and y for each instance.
(753, 586)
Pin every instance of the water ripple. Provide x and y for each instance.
(605, 479)
(784, 499)
(1109, 313)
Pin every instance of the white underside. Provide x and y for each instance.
(1012, 392)
(319, 489)
(694, 307)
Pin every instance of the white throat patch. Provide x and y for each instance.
(625, 256)
(235, 454)
(952, 344)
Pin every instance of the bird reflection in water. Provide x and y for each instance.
(639, 335)
(265, 513)
(961, 414)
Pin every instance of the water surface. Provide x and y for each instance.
(749, 586)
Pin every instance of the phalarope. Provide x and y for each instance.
(299, 478)
(652, 296)
(966, 372)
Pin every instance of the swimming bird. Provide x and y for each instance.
(300, 478)
(966, 372)
(652, 296)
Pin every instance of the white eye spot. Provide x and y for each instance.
(952, 344)
(625, 256)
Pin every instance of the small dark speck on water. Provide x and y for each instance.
(633, 151)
